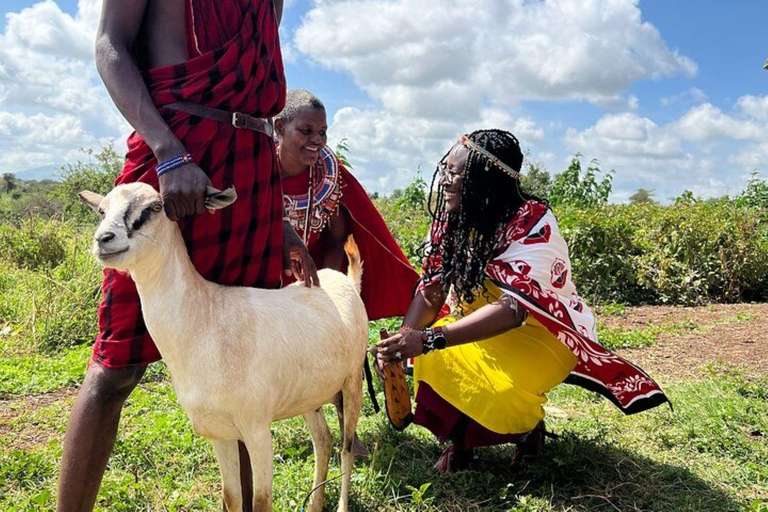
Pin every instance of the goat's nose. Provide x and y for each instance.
(104, 237)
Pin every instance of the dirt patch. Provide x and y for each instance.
(18, 434)
(729, 336)
(649, 316)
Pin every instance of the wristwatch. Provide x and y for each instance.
(433, 339)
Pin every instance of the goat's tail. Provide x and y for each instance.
(355, 268)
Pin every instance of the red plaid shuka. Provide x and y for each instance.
(235, 65)
(532, 266)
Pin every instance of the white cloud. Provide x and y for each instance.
(707, 122)
(752, 157)
(52, 101)
(438, 68)
(754, 106)
(625, 134)
(387, 148)
(706, 150)
(28, 141)
(693, 95)
(401, 51)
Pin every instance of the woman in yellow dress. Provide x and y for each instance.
(496, 321)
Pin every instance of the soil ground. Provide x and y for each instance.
(726, 336)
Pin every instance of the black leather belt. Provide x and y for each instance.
(236, 119)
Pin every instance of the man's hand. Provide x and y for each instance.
(183, 191)
(296, 258)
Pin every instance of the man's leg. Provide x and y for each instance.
(91, 434)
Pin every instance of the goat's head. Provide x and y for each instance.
(134, 222)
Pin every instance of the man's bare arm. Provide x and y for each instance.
(118, 30)
(278, 11)
(183, 189)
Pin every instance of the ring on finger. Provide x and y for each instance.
(398, 355)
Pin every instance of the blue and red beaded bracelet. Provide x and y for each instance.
(173, 163)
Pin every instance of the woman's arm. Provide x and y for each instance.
(339, 228)
(487, 322)
(425, 307)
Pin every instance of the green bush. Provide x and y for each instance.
(34, 244)
(690, 252)
(407, 218)
(53, 305)
(604, 255)
(97, 174)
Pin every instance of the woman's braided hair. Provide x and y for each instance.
(466, 239)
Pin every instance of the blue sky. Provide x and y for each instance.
(671, 95)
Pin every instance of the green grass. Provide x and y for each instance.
(706, 455)
(614, 338)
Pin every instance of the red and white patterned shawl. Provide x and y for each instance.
(532, 265)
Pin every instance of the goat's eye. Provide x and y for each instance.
(157, 207)
(101, 211)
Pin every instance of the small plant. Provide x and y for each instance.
(419, 496)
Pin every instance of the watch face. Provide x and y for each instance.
(440, 340)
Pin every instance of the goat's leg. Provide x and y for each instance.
(228, 456)
(322, 442)
(353, 402)
(259, 444)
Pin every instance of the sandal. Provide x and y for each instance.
(530, 446)
(454, 459)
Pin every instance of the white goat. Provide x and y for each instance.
(241, 358)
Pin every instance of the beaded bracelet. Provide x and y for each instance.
(173, 163)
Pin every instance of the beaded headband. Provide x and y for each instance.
(492, 159)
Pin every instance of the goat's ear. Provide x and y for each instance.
(92, 199)
(216, 199)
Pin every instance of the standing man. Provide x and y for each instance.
(197, 80)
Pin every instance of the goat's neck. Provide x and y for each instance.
(174, 297)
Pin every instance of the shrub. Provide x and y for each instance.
(686, 253)
(34, 244)
(51, 305)
(604, 254)
(97, 173)
(407, 218)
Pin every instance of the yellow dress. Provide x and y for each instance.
(500, 382)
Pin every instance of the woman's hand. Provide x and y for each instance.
(398, 347)
(296, 258)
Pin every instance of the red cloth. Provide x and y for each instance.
(238, 68)
(388, 277)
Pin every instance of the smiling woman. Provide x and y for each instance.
(496, 321)
(325, 204)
